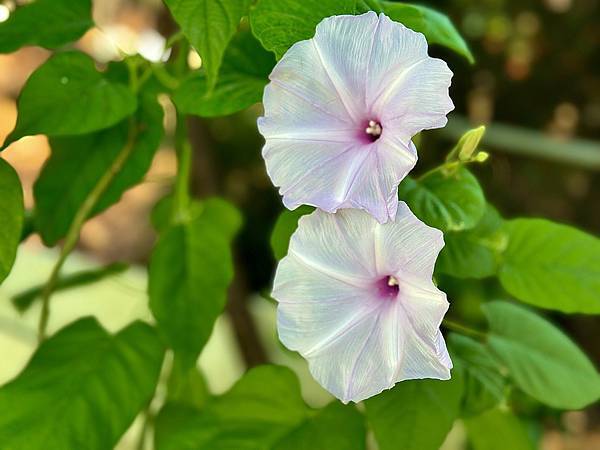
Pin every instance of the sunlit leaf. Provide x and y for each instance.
(540, 359)
(11, 217)
(209, 25)
(82, 388)
(552, 266)
(47, 23)
(67, 96)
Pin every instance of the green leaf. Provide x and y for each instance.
(190, 270)
(12, 217)
(541, 360)
(483, 383)
(258, 411)
(47, 23)
(263, 411)
(78, 163)
(335, 427)
(447, 201)
(243, 76)
(286, 224)
(474, 253)
(552, 266)
(67, 96)
(82, 388)
(497, 430)
(437, 27)
(278, 24)
(415, 414)
(186, 385)
(209, 25)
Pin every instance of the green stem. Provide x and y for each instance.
(463, 329)
(183, 149)
(74, 230)
(445, 166)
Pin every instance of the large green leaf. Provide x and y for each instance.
(416, 414)
(263, 411)
(286, 224)
(437, 28)
(209, 25)
(497, 430)
(257, 412)
(190, 270)
(448, 201)
(552, 266)
(67, 96)
(483, 382)
(474, 253)
(278, 24)
(244, 74)
(540, 359)
(82, 388)
(11, 218)
(335, 427)
(47, 23)
(78, 163)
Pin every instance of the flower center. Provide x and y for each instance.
(388, 287)
(373, 131)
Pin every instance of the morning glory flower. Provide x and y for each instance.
(356, 299)
(341, 109)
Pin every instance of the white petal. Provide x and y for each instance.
(344, 44)
(409, 246)
(308, 172)
(374, 186)
(341, 243)
(417, 100)
(395, 50)
(331, 311)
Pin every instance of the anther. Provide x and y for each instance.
(374, 130)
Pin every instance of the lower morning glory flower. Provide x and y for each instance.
(341, 109)
(357, 300)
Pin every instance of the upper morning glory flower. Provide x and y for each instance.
(341, 109)
(357, 300)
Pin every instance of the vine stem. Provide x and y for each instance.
(81, 216)
(463, 329)
(183, 149)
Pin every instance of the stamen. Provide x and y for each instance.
(374, 130)
(388, 287)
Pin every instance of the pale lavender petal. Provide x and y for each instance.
(418, 100)
(410, 246)
(342, 243)
(333, 309)
(395, 51)
(378, 195)
(341, 109)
